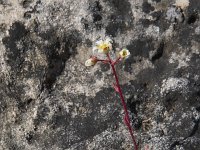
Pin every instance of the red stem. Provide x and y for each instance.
(116, 61)
(127, 118)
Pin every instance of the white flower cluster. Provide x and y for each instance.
(104, 47)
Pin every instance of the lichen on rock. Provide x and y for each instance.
(50, 100)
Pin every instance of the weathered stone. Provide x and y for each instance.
(50, 101)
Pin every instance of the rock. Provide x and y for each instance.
(50, 101)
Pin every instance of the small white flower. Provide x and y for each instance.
(103, 46)
(91, 62)
(124, 53)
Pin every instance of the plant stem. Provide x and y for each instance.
(116, 61)
(127, 118)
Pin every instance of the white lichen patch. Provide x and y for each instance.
(174, 14)
(31, 91)
(197, 30)
(5, 69)
(87, 89)
(195, 47)
(169, 33)
(174, 84)
(182, 3)
(153, 31)
(11, 13)
(182, 59)
(144, 64)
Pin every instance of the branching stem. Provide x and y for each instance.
(126, 117)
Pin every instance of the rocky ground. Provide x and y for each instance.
(50, 101)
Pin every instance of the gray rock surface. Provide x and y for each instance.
(50, 101)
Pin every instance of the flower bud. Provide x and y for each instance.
(91, 62)
(124, 53)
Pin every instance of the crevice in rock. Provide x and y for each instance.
(195, 128)
(198, 109)
(174, 145)
(159, 52)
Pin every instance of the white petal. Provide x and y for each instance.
(95, 49)
(108, 40)
(99, 42)
(128, 52)
(88, 63)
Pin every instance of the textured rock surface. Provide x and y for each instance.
(50, 101)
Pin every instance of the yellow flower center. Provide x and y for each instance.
(104, 46)
(124, 53)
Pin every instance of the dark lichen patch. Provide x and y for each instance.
(122, 6)
(97, 17)
(140, 97)
(60, 119)
(117, 25)
(58, 53)
(34, 9)
(157, 15)
(17, 33)
(26, 3)
(4, 3)
(146, 22)
(140, 47)
(174, 144)
(195, 127)
(184, 36)
(23, 106)
(170, 99)
(104, 67)
(193, 18)
(194, 5)
(134, 102)
(2, 28)
(147, 8)
(158, 19)
(19, 46)
(71, 130)
(121, 19)
(42, 114)
(198, 109)
(157, 1)
(3, 105)
(29, 137)
(185, 141)
(96, 8)
(85, 23)
(27, 15)
(159, 52)
(88, 42)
